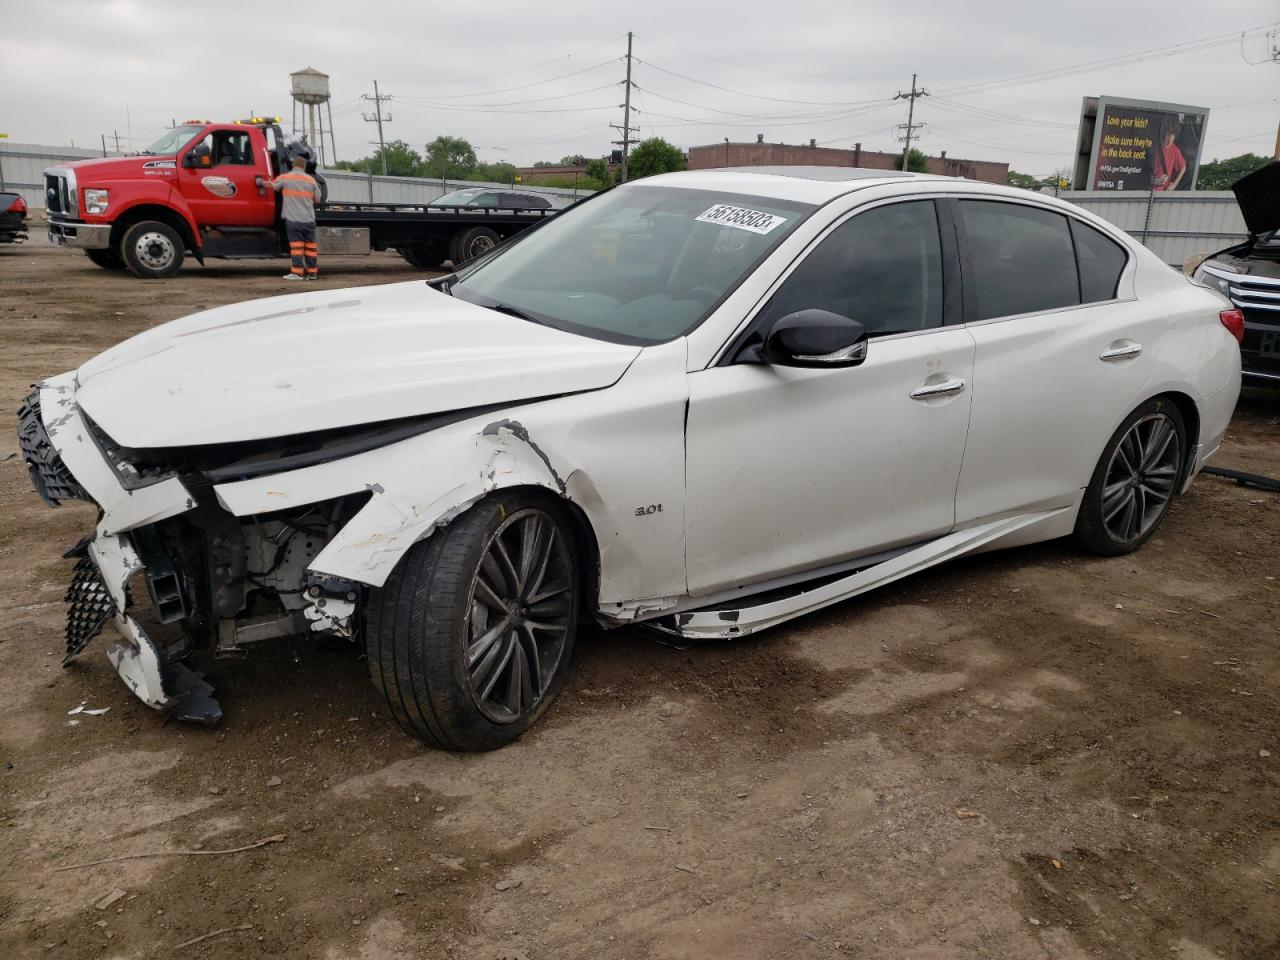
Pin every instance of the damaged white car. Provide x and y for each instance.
(704, 402)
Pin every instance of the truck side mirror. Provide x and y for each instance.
(198, 156)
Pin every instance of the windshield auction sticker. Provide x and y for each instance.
(740, 218)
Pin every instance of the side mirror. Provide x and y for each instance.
(815, 338)
(198, 156)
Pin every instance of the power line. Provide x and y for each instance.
(420, 101)
(506, 73)
(750, 66)
(524, 86)
(910, 127)
(379, 119)
(740, 93)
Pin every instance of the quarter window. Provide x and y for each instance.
(882, 268)
(1021, 258)
(1101, 261)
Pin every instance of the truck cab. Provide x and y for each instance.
(202, 188)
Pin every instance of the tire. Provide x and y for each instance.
(449, 596)
(470, 243)
(423, 256)
(1124, 505)
(106, 259)
(152, 250)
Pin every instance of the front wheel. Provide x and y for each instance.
(470, 243)
(1134, 481)
(469, 640)
(152, 250)
(106, 259)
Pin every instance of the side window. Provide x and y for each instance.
(514, 201)
(1100, 260)
(232, 146)
(485, 200)
(882, 268)
(1021, 258)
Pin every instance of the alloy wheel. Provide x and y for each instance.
(519, 615)
(1140, 478)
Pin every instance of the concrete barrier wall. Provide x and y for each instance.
(22, 168)
(1174, 226)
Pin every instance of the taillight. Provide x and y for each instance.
(18, 206)
(1233, 320)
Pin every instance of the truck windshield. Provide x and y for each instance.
(640, 264)
(173, 140)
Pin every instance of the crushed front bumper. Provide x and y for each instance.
(65, 463)
(83, 236)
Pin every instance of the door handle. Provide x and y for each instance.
(1121, 350)
(943, 388)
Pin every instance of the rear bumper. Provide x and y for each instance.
(84, 236)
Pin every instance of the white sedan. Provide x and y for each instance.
(703, 402)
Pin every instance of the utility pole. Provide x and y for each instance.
(116, 135)
(911, 110)
(626, 128)
(379, 119)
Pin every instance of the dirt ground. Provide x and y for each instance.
(1028, 754)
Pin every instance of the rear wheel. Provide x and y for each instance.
(470, 243)
(152, 250)
(424, 256)
(1134, 481)
(469, 640)
(106, 259)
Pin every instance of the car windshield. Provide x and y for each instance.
(458, 198)
(639, 264)
(173, 140)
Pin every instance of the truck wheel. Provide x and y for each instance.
(470, 243)
(152, 250)
(106, 259)
(423, 257)
(470, 638)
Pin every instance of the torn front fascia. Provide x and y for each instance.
(331, 604)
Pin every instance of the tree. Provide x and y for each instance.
(402, 161)
(1221, 174)
(544, 163)
(652, 156)
(598, 171)
(1024, 180)
(449, 158)
(500, 172)
(917, 162)
(573, 160)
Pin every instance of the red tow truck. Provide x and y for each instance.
(203, 190)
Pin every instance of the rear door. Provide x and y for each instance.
(1061, 355)
(225, 192)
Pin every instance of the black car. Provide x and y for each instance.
(1250, 275)
(13, 218)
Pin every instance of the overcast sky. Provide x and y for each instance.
(526, 82)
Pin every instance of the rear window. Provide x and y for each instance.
(1101, 261)
(1022, 257)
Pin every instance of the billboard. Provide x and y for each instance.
(1140, 145)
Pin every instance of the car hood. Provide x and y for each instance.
(1258, 195)
(317, 361)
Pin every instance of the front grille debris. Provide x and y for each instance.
(49, 475)
(89, 606)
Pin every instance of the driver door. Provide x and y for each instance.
(225, 192)
(791, 469)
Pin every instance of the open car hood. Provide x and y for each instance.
(317, 361)
(1258, 195)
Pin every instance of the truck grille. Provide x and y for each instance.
(56, 198)
(49, 475)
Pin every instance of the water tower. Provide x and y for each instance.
(310, 89)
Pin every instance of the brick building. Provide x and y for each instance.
(761, 154)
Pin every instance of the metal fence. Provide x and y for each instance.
(22, 169)
(1173, 225)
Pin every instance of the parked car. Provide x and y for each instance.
(494, 198)
(13, 218)
(702, 402)
(1249, 274)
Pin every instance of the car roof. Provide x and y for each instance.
(816, 185)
